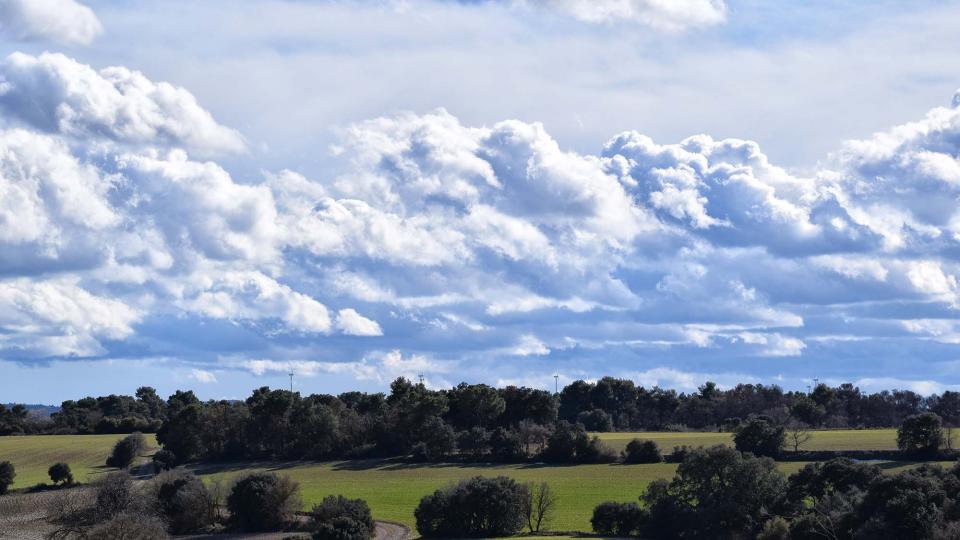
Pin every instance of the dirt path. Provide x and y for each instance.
(387, 530)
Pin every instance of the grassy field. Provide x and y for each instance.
(393, 489)
(32, 456)
(841, 439)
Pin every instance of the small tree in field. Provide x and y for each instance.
(126, 451)
(798, 435)
(60, 472)
(538, 506)
(7, 474)
(921, 434)
(761, 436)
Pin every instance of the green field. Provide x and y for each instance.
(841, 439)
(33, 455)
(393, 489)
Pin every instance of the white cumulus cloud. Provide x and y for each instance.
(63, 21)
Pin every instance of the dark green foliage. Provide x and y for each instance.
(7, 474)
(474, 405)
(506, 446)
(340, 518)
(640, 451)
(596, 420)
(474, 443)
(13, 420)
(436, 440)
(838, 475)
(921, 434)
(60, 472)
(618, 519)
(717, 492)
(908, 505)
(478, 508)
(182, 501)
(760, 435)
(126, 451)
(263, 502)
(570, 443)
(163, 460)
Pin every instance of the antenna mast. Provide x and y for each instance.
(556, 383)
(291, 381)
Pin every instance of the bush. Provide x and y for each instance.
(506, 446)
(618, 519)
(126, 451)
(639, 451)
(921, 434)
(437, 440)
(596, 420)
(479, 508)
(60, 472)
(182, 500)
(775, 529)
(164, 460)
(263, 502)
(7, 473)
(760, 435)
(340, 518)
(129, 526)
(114, 496)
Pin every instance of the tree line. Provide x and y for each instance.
(476, 420)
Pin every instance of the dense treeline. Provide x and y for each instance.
(721, 493)
(477, 419)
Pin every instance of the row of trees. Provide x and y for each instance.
(720, 492)
(609, 404)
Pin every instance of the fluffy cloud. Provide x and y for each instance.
(57, 94)
(352, 323)
(63, 21)
(671, 15)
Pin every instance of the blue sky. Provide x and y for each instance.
(208, 195)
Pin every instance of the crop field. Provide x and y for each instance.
(392, 488)
(33, 455)
(841, 439)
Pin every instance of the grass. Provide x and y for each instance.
(841, 439)
(33, 455)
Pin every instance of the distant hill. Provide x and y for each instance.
(38, 410)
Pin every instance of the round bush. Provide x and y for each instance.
(640, 451)
(60, 472)
(340, 518)
(618, 519)
(263, 502)
(478, 508)
(164, 460)
(183, 501)
(126, 451)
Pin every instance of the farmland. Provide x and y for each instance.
(841, 439)
(394, 488)
(33, 455)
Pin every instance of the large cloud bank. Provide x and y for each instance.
(438, 244)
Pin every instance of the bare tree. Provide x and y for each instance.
(948, 436)
(798, 434)
(539, 506)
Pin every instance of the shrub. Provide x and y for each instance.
(474, 443)
(114, 495)
(437, 440)
(921, 434)
(126, 451)
(7, 473)
(164, 460)
(340, 518)
(263, 502)
(129, 526)
(60, 472)
(506, 445)
(182, 500)
(760, 435)
(618, 519)
(639, 451)
(478, 507)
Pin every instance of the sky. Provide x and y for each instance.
(210, 195)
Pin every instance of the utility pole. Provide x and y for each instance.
(556, 383)
(421, 378)
(291, 381)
